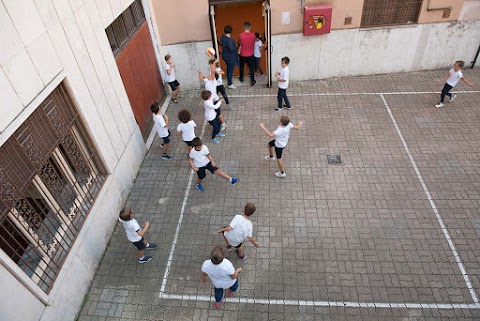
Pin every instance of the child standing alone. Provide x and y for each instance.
(135, 234)
(257, 53)
(283, 80)
(451, 80)
(170, 78)
(281, 134)
(239, 230)
(161, 125)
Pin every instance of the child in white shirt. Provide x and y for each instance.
(211, 85)
(239, 230)
(186, 128)
(222, 273)
(211, 116)
(451, 80)
(161, 125)
(201, 160)
(220, 88)
(170, 77)
(283, 81)
(257, 53)
(281, 134)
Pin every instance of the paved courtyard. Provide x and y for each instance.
(392, 233)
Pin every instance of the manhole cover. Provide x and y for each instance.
(334, 159)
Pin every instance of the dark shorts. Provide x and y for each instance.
(166, 140)
(238, 246)
(218, 111)
(140, 244)
(278, 150)
(189, 143)
(174, 84)
(201, 171)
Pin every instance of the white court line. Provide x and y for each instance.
(179, 225)
(206, 298)
(293, 94)
(433, 206)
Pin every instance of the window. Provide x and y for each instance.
(50, 175)
(123, 28)
(390, 12)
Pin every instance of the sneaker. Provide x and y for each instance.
(252, 83)
(270, 158)
(199, 187)
(280, 174)
(243, 257)
(439, 105)
(175, 101)
(151, 246)
(215, 140)
(230, 293)
(232, 86)
(223, 126)
(220, 134)
(229, 106)
(288, 107)
(452, 98)
(145, 259)
(278, 108)
(241, 79)
(234, 180)
(166, 157)
(229, 248)
(218, 305)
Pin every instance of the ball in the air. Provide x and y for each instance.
(210, 52)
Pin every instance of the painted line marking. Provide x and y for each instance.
(179, 225)
(206, 298)
(433, 205)
(295, 94)
(473, 294)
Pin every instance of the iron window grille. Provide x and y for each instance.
(124, 27)
(390, 12)
(50, 175)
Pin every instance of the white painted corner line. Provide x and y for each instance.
(179, 225)
(433, 206)
(349, 304)
(293, 93)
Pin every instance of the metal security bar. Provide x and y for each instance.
(50, 175)
(390, 12)
(124, 27)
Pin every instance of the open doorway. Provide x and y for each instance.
(235, 13)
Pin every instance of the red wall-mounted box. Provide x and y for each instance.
(317, 20)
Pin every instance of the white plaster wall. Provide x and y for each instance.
(12, 291)
(377, 51)
(352, 52)
(43, 42)
(188, 57)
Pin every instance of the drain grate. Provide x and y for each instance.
(334, 159)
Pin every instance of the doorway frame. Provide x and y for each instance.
(268, 29)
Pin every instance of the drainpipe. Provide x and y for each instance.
(476, 56)
(302, 4)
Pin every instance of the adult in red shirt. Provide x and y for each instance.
(246, 43)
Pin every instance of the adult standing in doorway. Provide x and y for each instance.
(246, 44)
(229, 53)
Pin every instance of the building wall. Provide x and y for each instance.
(348, 50)
(44, 43)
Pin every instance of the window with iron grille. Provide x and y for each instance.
(124, 27)
(50, 175)
(390, 12)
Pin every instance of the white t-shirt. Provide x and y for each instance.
(281, 135)
(170, 77)
(210, 113)
(211, 85)
(257, 53)
(455, 77)
(187, 130)
(199, 157)
(242, 229)
(220, 273)
(219, 79)
(284, 74)
(131, 228)
(160, 125)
